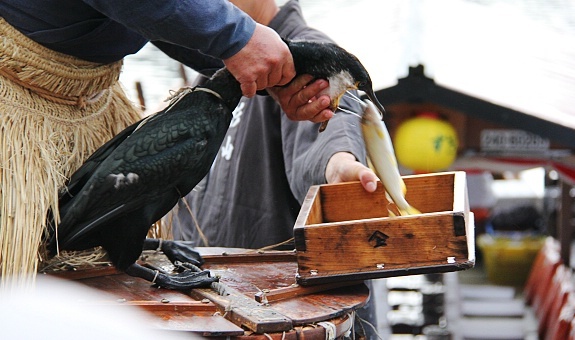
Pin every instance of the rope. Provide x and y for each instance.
(80, 101)
(330, 329)
(155, 276)
(176, 96)
(61, 120)
(272, 246)
(159, 249)
(196, 224)
(74, 260)
(363, 321)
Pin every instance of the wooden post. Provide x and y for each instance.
(565, 226)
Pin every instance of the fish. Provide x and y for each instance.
(381, 157)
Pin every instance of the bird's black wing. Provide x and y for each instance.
(137, 171)
(83, 173)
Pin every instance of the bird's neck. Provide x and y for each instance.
(223, 83)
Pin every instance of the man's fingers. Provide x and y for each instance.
(274, 77)
(288, 72)
(368, 179)
(321, 117)
(249, 89)
(343, 167)
(285, 79)
(300, 82)
(362, 173)
(317, 110)
(309, 92)
(264, 62)
(300, 99)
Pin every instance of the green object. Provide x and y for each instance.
(508, 259)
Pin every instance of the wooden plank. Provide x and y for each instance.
(460, 199)
(173, 306)
(305, 310)
(310, 211)
(253, 256)
(85, 273)
(404, 240)
(432, 192)
(196, 316)
(267, 296)
(251, 278)
(383, 244)
(342, 325)
(212, 325)
(127, 289)
(171, 310)
(241, 310)
(273, 271)
(349, 201)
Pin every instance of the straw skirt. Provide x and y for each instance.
(55, 110)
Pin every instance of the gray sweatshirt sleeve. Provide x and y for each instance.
(307, 152)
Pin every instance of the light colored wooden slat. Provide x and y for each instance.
(241, 310)
(293, 291)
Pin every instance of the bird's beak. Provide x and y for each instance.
(371, 95)
(334, 103)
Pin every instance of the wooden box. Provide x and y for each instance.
(344, 233)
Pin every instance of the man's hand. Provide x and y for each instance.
(298, 99)
(264, 62)
(343, 167)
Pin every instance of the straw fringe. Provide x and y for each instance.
(40, 69)
(44, 140)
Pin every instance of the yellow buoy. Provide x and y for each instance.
(426, 143)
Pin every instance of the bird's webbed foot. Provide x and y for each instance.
(188, 277)
(175, 251)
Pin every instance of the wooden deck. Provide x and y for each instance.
(258, 297)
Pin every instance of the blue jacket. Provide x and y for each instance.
(105, 31)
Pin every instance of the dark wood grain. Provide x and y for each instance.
(245, 272)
